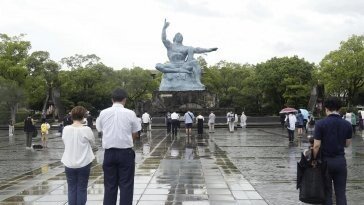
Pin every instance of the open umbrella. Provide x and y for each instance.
(305, 113)
(287, 110)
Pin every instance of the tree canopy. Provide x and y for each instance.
(342, 70)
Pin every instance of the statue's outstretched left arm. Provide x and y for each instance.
(203, 50)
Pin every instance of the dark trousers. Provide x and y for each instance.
(119, 168)
(145, 127)
(169, 127)
(290, 135)
(77, 180)
(29, 139)
(338, 175)
(174, 126)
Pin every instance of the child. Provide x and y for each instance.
(44, 131)
(310, 125)
(308, 152)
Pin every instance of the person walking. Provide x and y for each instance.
(211, 122)
(146, 119)
(120, 127)
(175, 122)
(189, 117)
(243, 119)
(332, 135)
(200, 120)
(291, 119)
(77, 156)
(300, 123)
(29, 129)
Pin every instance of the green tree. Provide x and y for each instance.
(13, 53)
(138, 82)
(283, 82)
(234, 85)
(42, 72)
(87, 84)
(342, 70)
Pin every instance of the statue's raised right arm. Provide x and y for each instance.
(165, 41)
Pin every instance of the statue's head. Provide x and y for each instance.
(178, 38)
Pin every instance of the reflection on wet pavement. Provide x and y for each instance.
(250, 166)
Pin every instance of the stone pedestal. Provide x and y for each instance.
(181, 101)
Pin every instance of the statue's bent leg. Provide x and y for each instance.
(169, 68)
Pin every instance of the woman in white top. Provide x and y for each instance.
(77, 156)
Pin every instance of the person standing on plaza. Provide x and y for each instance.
(200, 120)
(44, 130)
(89, 120)
(211, 122)
(243, 119)
(236, 120)
(300, 123)
(11, 128)
(332, 135)
(146, 119)
(67, 120)
(175, 121)
(189, 117)
(353, 122)
(29, 129)
(361, 122)
(120, 127)
(291, 125)
(231, 120)
(77, 156)
(168, 122)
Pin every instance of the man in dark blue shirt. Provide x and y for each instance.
(332, 135)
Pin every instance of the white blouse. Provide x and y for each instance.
(77, 146)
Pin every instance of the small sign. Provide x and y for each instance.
(166, 95)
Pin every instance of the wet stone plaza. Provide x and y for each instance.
(254, 166)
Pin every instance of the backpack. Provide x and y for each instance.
(286, 123)
(44, 128)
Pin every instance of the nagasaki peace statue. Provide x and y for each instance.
(182, 72)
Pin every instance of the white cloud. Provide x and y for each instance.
(127, 32)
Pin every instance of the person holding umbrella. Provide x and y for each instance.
(291, 125)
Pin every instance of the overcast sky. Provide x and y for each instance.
(128, 33)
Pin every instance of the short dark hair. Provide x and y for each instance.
(118, 95)
(332, 103)
(78, 113)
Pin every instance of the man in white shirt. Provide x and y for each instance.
(120, 127)
(146, 121)
(175, 119)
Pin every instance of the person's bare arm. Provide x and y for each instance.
(135, 136)
(316, 147)
(348, 142)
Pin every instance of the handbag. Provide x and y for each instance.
(312, 181)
